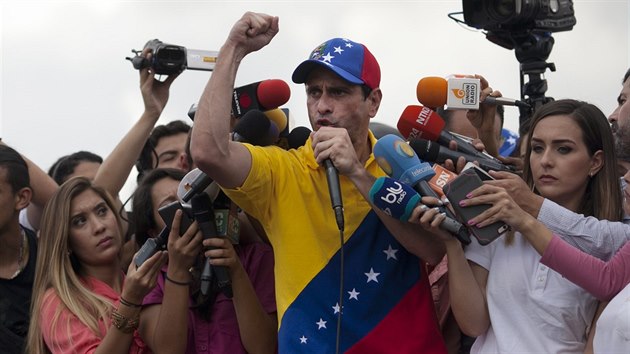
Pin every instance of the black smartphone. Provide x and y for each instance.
(456, 191)
(167, 213)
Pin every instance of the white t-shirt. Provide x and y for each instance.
(532, 308)
(612, 334)
(24, 221)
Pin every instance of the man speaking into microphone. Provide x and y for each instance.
(379, 301)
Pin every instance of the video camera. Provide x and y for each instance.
(170, 59)
(526, 27)
(222, 215)
(501, 18)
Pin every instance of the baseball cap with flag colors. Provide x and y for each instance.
(350, 60)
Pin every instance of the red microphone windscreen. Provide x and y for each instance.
(431, 91)
(273, 93)
(420, 122)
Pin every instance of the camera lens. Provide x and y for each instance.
(503, 8)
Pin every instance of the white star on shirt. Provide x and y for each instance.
(354, 294)
(391, 252)
(349, 45)
(338, 50)
(327, 58)
(303, 340)
(371, 276)
(511, 140)
(336, 308)
(321, 323)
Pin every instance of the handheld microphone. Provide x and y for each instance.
(204, 215)
(398, 201)
(262, 96)
(441, 178)
(193, 183)
(457, 92)
(280, 119)
(298, 136)
(504, 101)
(334, 189)
(432, 152)
(400, 162)
(255, 128)
(422, 122)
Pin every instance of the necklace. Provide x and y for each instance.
(21, 255)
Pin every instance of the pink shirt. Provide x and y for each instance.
(602, 279)
(221, 334)
(69, 334)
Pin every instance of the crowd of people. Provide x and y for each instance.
(302, 279)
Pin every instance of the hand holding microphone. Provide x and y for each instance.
(323, 140)
(422, 122)
(399, 161)
(458, 92)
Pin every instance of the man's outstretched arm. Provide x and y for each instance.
(227, 162)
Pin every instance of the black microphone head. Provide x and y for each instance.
(201, 206)
(380, 130)
(298, 136)
(425, 149)
(255, 128)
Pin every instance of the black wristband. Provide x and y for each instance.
(176, 282)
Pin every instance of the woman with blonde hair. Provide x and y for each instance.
(82, 302)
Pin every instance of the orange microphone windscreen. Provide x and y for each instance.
(431, 91)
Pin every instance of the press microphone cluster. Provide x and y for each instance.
(255, 128)
(418, 122)
(457, 92)
(436, 153)
(398, 200)
(400, 162)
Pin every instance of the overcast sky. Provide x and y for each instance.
(66, 86)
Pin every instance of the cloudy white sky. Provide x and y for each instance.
(66, 86)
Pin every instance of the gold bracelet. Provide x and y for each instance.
(123, 323)
(128, 303)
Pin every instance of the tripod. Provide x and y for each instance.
(532, 50)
